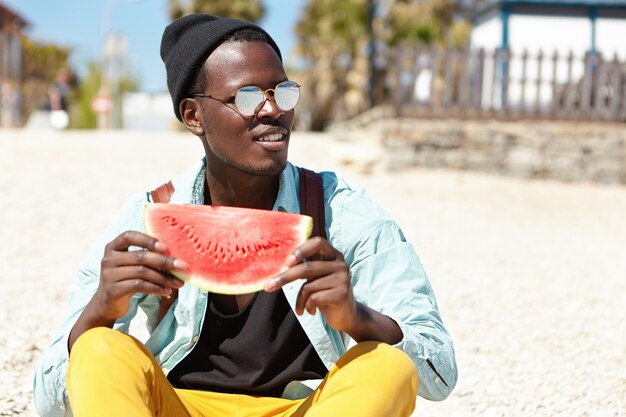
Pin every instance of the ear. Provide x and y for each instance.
(191, 114)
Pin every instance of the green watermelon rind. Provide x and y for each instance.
(305, 229)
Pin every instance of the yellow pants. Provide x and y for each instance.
(111, 374)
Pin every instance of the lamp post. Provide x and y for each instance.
(102, 104)
(371, 12)
(112, 56)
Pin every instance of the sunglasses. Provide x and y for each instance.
(250, 99)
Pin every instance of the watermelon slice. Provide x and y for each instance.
(229, 250)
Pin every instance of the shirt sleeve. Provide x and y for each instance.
(50, 395)
(387, 276)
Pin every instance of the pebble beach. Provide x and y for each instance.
(530, 275)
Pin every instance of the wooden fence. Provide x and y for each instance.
(501, 84)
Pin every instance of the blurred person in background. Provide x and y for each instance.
(58, 95)
(59, 90)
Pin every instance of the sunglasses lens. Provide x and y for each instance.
(248, 99)
(287, 95)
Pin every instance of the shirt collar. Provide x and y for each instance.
(287, 199)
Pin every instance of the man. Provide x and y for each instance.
(359, 313)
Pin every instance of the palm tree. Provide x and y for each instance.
(333, 39)
(251, 10)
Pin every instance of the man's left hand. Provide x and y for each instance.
(327, 287)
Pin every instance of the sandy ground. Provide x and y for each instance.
(530, 275)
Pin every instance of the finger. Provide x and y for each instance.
(339, 284)
(152, 260)
(174, 281)
(331, 298)
(143, 273)
(133, 238)
(314, 248)
(137, 285)
(310, 288)
(307, 270)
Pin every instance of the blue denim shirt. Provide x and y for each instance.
(385, 271)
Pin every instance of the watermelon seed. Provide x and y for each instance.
(169, 219)
(216, 252)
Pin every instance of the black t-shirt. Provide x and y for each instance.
(256, 351)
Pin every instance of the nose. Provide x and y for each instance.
(269, 109)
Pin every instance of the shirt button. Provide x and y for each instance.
(195, 338)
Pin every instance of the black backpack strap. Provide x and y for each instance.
(312, 200)
(311, 204)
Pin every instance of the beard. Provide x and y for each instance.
(263, 171)
(258, 168)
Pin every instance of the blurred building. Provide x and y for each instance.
(552, 56)
(12, 26)
(579, 26)
(153, 112)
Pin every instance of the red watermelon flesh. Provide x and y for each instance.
(229, 250)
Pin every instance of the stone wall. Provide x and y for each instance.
(568, 151)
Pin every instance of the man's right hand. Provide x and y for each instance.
(124, 273)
